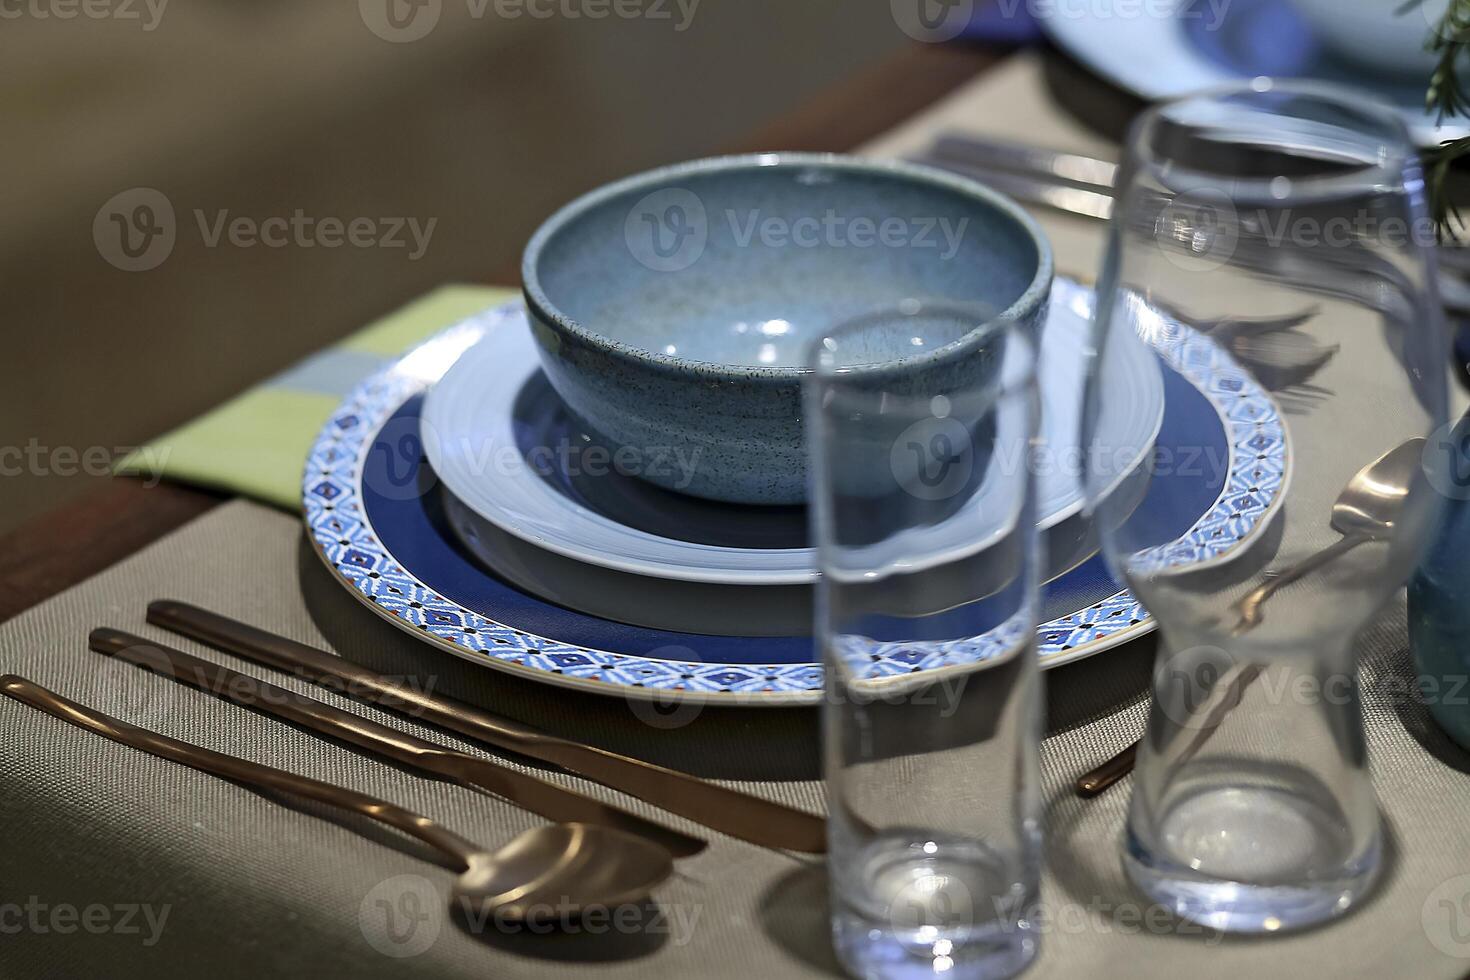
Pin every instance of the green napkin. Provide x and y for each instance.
(256, 443)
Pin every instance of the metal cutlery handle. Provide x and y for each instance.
(540, 797)
(1249, 606)
(1094, 781)
(351, 680)
(242, 689)
(237, 769)
(1080, 185)
(1056, 164)
(735, 813)
(1232, 689)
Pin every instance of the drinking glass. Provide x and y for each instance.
(1272, 249)
(920, 421)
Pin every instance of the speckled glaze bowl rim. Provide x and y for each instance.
(543, 309)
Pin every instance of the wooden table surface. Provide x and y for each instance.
(57, 550)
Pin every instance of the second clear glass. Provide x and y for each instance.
(1272, 244)
(921, 419)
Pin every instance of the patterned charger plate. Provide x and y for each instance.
(376, 516)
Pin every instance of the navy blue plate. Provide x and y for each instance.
(378, 521)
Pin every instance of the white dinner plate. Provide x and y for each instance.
(499, 440)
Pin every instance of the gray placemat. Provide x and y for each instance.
(184, 874)
(102, 844)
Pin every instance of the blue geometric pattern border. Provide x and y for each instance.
(1259, 470)
(348, 544)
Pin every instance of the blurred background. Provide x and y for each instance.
(471, 132)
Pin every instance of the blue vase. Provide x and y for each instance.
(1439, 610)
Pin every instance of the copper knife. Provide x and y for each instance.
(547, 799)
(729, 811)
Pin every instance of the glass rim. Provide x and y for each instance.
(1401, 157)
(986, 328)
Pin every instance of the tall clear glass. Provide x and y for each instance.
(920, 423)
(1271, 246)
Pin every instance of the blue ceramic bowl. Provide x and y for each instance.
(674, 310)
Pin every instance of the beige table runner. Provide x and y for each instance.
(116, 864)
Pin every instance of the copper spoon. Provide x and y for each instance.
(571, 867)
(1366, 510)
(556, 803)
(750, 818)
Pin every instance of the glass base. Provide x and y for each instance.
(946, 908)
(1252, 860)
(874, 951)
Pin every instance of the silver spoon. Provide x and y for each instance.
(1366, 509)
(569, 867)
